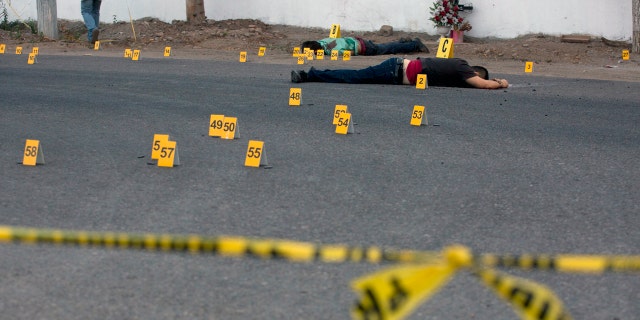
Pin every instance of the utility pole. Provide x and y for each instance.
(635, 37)
(48, 19)
(195, 11)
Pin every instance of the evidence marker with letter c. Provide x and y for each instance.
(33, 153)
(256, 155)
(445, 48)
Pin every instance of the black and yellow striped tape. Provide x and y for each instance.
(227, 246)
(564, 262)
(296, 251)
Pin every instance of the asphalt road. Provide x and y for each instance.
(549, 165)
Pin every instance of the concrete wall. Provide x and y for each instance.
(490, 18)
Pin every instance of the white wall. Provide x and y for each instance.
(490, 18)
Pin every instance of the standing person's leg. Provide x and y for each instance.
(388, 72)
(86, 9)
(401, 47)
(95, 33)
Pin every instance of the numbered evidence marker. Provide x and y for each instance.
(301, 58)
(334, 55)
(96, 46)
(229, 128)
(158, 140)
(418, 116)
(320, 54)
(262, 51)
(33, 58)
(256, 155)
(243, 56)
(32, 153)
(136, 55)
(421, 81)
(445, 48)
(308, 53)
(346, 55)
(18, 50)
(2, 48)
(167, 51)
(296, 51)
(528, 66)
(35, 50)
(295, 96)
(216, 122)
(345, 124)
(339, 110)
(335, 31)
(128, 53)
(625, 54)
(168, 155)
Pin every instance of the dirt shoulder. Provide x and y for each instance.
(223, 40)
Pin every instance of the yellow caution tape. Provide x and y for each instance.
(569, 263)
(394, 292)
(227, 246)
(531, 300)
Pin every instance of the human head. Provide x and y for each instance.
(482, 72)
(313, 45)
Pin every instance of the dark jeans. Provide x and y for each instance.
(372, 49)
(388, 72)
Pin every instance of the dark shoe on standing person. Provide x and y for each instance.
(94, 35)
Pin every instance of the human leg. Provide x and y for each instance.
(385, 73)
(396, 47)
(91, 19)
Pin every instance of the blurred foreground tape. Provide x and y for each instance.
(392, 293)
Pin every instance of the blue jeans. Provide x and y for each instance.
(372, 49)
(90, 10)
(388, 72)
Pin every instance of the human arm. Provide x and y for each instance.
(480, 83)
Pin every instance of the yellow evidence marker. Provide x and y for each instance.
(216, 122)
(320, 54)
(262, 51)
(18, 50)
(32, 58)
(256, 155)
(158, 140)
(528, 66)
(229, 128)
(243, 56)
(35, 50)
(625, 54)
(167, 51)
(128, 53)
(340, 109)
(136, 55)
(335, 31)
(295, 96)
(445, 48)
(96, 46)
(345, 124)
(2, 48)
(33, 153)
(418, 116)
(168, 155)
(309, 53)
(421, 81)
(296, 51)
(334, 55)
(301, 58)
(346, 55)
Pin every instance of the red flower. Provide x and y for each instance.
(456, 8)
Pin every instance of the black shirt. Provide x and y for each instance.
(447, 72)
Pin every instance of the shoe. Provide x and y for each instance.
(94, 35)
(298, 76)
(421, 45)
(405, 39)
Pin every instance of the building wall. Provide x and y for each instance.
(489, 18)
